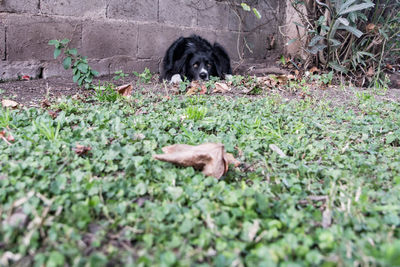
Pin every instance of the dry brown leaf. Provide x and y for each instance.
(196, 87)
(82, 150)
(276, 149)
(370, 27)
(210, 158)
(7, 137)
(125, 90)
(283, 79)
(370, 72)
(221, 88)
(53, 114)
(389, 67)
(314, 69)
(203, 90)
(6, 103)
(191, 91)
(268, 81)
(254, 229)
(10, 138)
(327, 218)
(45, 103)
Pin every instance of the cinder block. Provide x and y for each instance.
(154, 39)
(11, 70)
(128, 65)
(20, 6)
(55, 69)
(28, 36)
(229, 41)
(137, 10)
(250, 21)
(213, 15)
(102, 66)
(77, 8)
(108, 39)
(2, 42)
(254, 45)
(179, 12)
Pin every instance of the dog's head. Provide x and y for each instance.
(200, 66)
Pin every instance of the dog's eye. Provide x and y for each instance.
(196, 65)
(209, 65)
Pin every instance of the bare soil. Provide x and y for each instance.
(32, 92)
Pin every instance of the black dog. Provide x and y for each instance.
(196, 59)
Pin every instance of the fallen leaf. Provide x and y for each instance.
(81, 150)
(125, 90)
(10, 138)
(326, 218)
(370, 72)
(275, 148)
(254, 229)
(6, 103)
(191, 91)
(210, 158)
(7, 137)
(45, 103)
(370, 27)
(17, 219)
(389, 67)
(53, 114)
(221, 88)
(314, 69)
(197, 87)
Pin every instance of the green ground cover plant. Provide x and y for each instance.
(319, 185)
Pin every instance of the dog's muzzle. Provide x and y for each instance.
(203, 74)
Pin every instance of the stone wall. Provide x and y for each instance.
(127, 34)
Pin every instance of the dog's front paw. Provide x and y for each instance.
(228, 77)
(176, 78)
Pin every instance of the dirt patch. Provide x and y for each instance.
(33, 92)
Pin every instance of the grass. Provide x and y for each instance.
(330, 197)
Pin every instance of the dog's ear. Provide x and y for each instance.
(180, 64)
(222, 60)
(173, 56)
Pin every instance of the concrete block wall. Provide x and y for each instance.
(127, 35)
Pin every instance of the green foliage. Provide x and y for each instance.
(145, 76)
(106, 93)
(352, 37)
(47, 130)
(246, 7)
(118, 75)
(5, 118)
(83, 74)
(184, 85)
(116, 205)
(195, 113)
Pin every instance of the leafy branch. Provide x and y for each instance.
(83, 73)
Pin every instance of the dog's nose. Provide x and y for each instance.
(203, 75)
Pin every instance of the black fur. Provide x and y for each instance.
(196, 59)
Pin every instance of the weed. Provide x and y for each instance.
(145, 76)
(340, 35)
(335, 190)
(83, 74)
(195, 113)
(118, 75)
(5, 118)
(237, 80)
(48, 130)
(364, 96)
(184, 85)
(106, 93)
